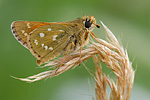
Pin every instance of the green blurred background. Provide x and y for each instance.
(129, 20)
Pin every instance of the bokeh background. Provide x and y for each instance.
(129, 20)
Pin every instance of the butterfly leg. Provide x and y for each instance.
(63, 60)
(71, 44)
(93, 35)
(80, 51)
(81, 44)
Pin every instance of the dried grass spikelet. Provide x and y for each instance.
(101, 81)
(72, 60)
(111, 53)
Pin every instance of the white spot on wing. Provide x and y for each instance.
(54, 37)
(46, 47)
(61, 30)
(22, 31)
(49, 29)
(50, 48)
(28, 25)
(41, 34)
(35, 41)
(25, 34)
(42, 45)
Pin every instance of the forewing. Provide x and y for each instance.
(47, 42)
(21, 29)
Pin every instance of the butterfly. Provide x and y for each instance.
(50, 40)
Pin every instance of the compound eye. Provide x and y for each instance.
(87, 24)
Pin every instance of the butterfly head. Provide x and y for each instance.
(89, 22)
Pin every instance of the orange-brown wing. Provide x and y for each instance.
(21, 29)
